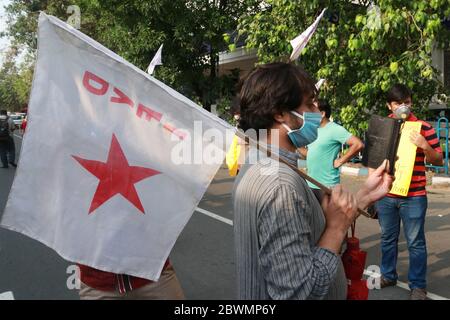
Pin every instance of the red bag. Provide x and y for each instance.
(357, 290)
(354, 260)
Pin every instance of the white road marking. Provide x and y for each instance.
(405, 286)
(366, 272)
(214, 216)
(6, 296)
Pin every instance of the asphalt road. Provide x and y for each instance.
(203, 255)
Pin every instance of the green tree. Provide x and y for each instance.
(15, 81)
(191, 31)
(362, 54)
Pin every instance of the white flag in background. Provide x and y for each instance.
(156, 61)
(300, 42)
(319, 83)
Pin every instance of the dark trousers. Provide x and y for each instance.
(11, 150)
(3, 152)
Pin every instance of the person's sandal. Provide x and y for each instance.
(418, 294)
(387, 283)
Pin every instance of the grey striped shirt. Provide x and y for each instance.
(277, 223)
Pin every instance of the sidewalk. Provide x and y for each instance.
(437, 227)
(436, 180)
(350, 169)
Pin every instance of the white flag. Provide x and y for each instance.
(300, 42)
(156, 61)
(100, 178)
(319, 83)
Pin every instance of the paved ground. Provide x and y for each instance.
(203, 254)
(437, 230)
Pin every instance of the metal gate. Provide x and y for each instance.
(442, 133)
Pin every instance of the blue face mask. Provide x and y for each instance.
(308, 132)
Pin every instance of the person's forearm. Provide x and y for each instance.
(332, 239)
(363, 199)
(432, 156)
(352, 151)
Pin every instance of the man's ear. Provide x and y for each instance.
(279, 117)
(389, 106)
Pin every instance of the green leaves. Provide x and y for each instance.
(193, 34)
(393, 67)
(354, 44)
(360, 20)
(363, 55)
(427, 72)
(15, 81)
(331, 43)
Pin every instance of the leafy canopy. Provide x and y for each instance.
(361, 51)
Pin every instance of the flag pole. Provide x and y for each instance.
(301, 173)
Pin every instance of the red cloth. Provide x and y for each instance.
(354, 259)
(23, 126)
(108, 281)
(357, 290)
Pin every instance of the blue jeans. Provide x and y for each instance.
(411, 211)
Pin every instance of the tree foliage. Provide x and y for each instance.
(191, 31)
(15, 81)
(361, 50)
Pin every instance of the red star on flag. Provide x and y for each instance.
(116, 177)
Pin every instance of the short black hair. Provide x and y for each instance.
(271, 89)
(3, 112)
(324, 106)
(399, 93)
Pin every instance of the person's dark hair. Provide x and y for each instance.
(234, 110)
(3, 112)
(324, 106)
(271, 89)
(398, 93)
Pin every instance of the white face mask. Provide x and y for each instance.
(403, 111)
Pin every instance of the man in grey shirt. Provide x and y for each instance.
(287, 245)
